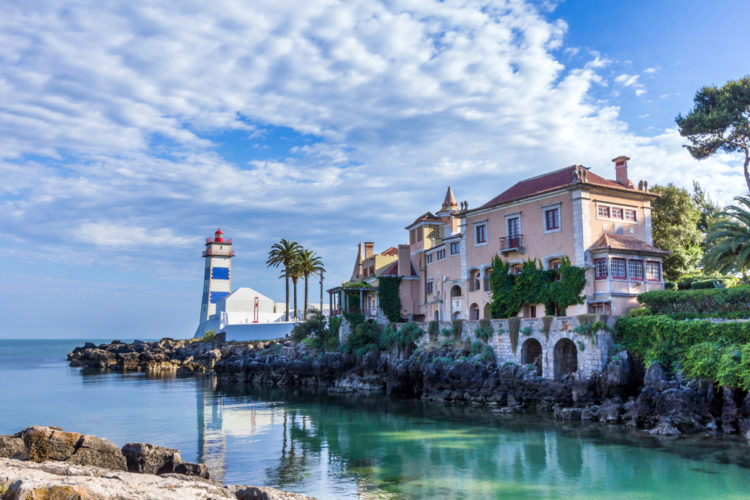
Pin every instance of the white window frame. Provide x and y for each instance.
(546, 209)
(510, 217)
(477, 225)
(438, 252)
(457, 245)
(428, 258)
(610, 206)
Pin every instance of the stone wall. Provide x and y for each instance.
(558, 341)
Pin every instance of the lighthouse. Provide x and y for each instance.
(217, 278)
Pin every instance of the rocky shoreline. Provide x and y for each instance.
(623, 393)
(47, 463)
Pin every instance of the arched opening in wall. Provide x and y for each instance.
(474, 311)
(487, 311)
(457, 315)
(565, 358)
(474, 280)
(486, 279)
(531, 354)
(437, 316)
(456, 291)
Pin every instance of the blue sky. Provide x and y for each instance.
(130, 131)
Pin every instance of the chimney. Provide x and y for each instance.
(369, 246)
(404, 260)
(621, 170)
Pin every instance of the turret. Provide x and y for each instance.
(217, 282)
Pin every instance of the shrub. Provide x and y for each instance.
(365, 338)
(686, 282)
(670, 285)
(724, 364)
(457, 327)
(387, 337)
(354, 319)
(313, 327)
(443, 360)
(487, 354)
(638, 312)
(717, 302)
(445, 332)
(476, 347)
(484, 332)
(209, 336)
(527, 331)
(433, 328)
(406, 337)
(704, 284)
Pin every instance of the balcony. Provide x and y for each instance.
(218, 253)
(226, 241)
(511, 243)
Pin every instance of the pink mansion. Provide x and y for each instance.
(601, 224)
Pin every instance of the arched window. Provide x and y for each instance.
(456, 291)
(474, 312)
(487, 311)
(516, 269)
(474, 280)
(554, 265)
(486, 279)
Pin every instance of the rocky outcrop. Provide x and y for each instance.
(45, 463)
(25, 480)
(623, 393)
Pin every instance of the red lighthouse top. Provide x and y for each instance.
(218, 238)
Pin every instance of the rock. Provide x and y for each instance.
(590, 413)
(568, 414)
(260, 493)
(151, 459)
(13, 447)
(655, 377)
(729, 411)
(664, 428)
(49, 443)
(191, 469)
(24, 480)
(98, 452)
(610, 411)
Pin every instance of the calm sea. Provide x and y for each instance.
(360, 447)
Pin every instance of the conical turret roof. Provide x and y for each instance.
(450, 200)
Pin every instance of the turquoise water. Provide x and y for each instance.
(360, 447)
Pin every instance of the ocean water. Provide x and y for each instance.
(360, 447)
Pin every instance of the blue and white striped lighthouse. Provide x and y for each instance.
(217, 280)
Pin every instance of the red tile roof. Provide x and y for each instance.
(391, 252)
(625, 243)
(392, 270)
(549, 182)
(427, 216)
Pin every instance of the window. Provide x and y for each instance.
(600, 307)
(474, 312)
(480, 232)
(428, 258)
(615, 213)
(635, 270)
(630, 215)
(516, 269)
(603, 211)
(486, 280)
(609, 212)
(552, 219)
(514, 232)
(454, 248)
(600, 269)
(554, 265)
(420, 233)
(474, 281)
(653, 271)
(618, 268)
(441, 254)
(428, 287)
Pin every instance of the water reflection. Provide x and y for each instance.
(337, 446)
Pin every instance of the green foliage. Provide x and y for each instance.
(365, 338)
(666, 340)
(209, 336)
(728, 242)
(534, 285)
(433, 328)
(313, 327)
(457, 327)
(315, 333)
(406, 337)
(354, 319)
(476, 347)
(670, 285)
(719, 302)
(284, 254)
(484, 332)
(443, 360)
(638, 312)
(445, 332)
(514, 325)
(723, 364)
(487, 354)
(590, 329)
(581, 346)
(462, 359)
(709, 210)
(388, 297)
(719, 121)
(527, 331)
(686, 281)
(334, 325)
(675, 219)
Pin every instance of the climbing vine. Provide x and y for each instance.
(390, 302)
(534, 285)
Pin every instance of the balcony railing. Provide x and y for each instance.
(218, 253)
(511, 243)
(226, 241)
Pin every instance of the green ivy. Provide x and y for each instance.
(433, 329)
(484, 332)
(457, 327)
(534, 285)
(717, 302)
(514, 325)
(527, 331)
(388, 297)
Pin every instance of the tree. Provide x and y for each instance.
(729, 239)
(709, 209)
(308, 264)
(284, 253)
(720, 121)
(294, 273)
(675, 219)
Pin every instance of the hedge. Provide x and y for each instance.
(716, 302)
(686, 281)
(666, 340)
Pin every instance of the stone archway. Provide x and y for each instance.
(474, 312)
(456, 291)
(457, 315)
(487, 311)
(531, 354)
(565, 358)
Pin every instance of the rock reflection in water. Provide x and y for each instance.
(347, 446)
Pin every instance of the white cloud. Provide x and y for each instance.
(112, 115)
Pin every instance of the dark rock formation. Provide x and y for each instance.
(623, 393)
(151, 459)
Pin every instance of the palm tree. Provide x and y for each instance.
(284, 253)
(728, 239)
(309, 263)
(295, 273)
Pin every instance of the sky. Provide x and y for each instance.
(131, 130)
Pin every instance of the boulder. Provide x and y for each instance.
(729, 411)
(243, 492)
(610, 411)
(98, 452)
(13, 447)
(151, 459)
